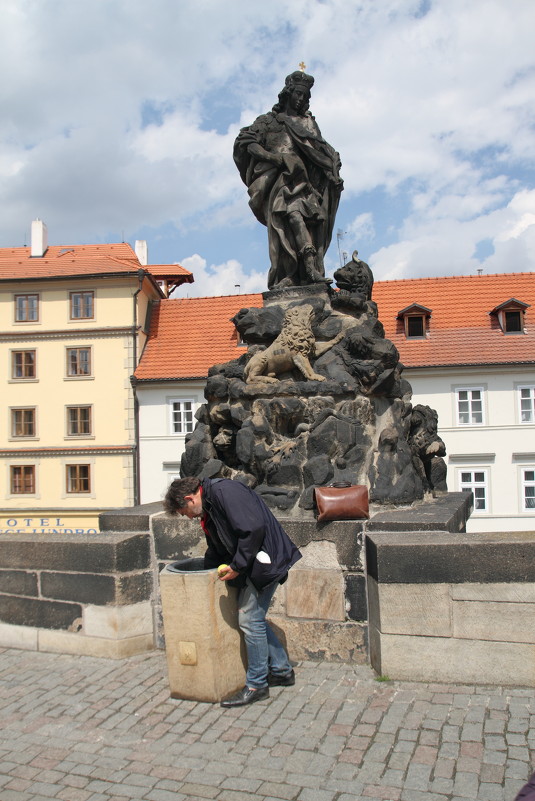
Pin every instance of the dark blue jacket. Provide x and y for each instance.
(240, 525)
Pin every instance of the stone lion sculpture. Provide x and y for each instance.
(293, 347)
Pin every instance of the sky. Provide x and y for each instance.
(119, 117)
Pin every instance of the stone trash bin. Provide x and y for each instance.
(205, 653)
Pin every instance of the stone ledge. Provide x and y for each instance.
(22, 637)
(440, 558)
(63, 642)
(449, 511)
(449, 660)
(76, 553)
(130, 518)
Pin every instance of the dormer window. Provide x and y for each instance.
(415, 320)
(511, 316)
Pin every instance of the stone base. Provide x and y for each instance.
(452, 608)
(29, 638)
(451, 660)
(320, 639)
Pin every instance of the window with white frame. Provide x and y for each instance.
(470, 411)
(476, 481)
(528, 489)
(182, 411)
(527, 404)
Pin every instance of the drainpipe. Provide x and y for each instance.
(141, 275)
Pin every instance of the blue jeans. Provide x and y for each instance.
(264, 651)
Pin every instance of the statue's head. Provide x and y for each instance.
(296, 92)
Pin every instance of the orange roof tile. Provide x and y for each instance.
(460, 330)
(64, 261)
(189, 335)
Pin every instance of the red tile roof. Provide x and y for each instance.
(188, 336)
(460, 330)
(63, 261)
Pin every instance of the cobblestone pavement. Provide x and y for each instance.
(85, 729)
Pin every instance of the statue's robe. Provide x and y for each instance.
(308, 183)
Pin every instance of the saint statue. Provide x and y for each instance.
(292, 175)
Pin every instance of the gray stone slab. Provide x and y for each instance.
(447, 512)
(131, 518)
(439, 558)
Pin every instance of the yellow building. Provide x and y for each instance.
(73, 322)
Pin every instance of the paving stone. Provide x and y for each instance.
(86, 729)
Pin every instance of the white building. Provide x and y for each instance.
(187, 337)
(468, 346)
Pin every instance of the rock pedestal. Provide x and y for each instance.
(318, 398)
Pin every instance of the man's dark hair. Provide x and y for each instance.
(175, 497)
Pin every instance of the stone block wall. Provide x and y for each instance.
(99, 594)
(84, 594)
(452, 608)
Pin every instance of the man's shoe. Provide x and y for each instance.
(247, 695)
(281, 681)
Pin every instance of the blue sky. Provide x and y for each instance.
(119, 117)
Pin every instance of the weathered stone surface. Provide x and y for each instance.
(18, 582)
(345, 534)
(177, 538)
(502, 592)
(12, 636)
(78, 553)
(422, 609)
(87, 588)
(488, 620)
(203, 646)
(322, 639)
(446, 512)
(439, 558)
(133, 518)
(64, 642)
(450, 660)
(355, 594)
(134, 588)
(118, 622)
(316, 593)
(20, 611)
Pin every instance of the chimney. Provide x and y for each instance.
(39, 238)
(142, 252)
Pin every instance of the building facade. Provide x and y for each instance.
(73, 323)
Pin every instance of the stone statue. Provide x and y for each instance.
(292, 175)
(292, 348)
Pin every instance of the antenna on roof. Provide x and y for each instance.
(339, 236)
(480, 270)
(237, 286)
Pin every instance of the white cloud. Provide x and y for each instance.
(228, 278)
(115, 119)
(447, 246)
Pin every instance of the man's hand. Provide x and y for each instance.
(227, 573)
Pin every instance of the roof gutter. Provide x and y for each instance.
(136, 461)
